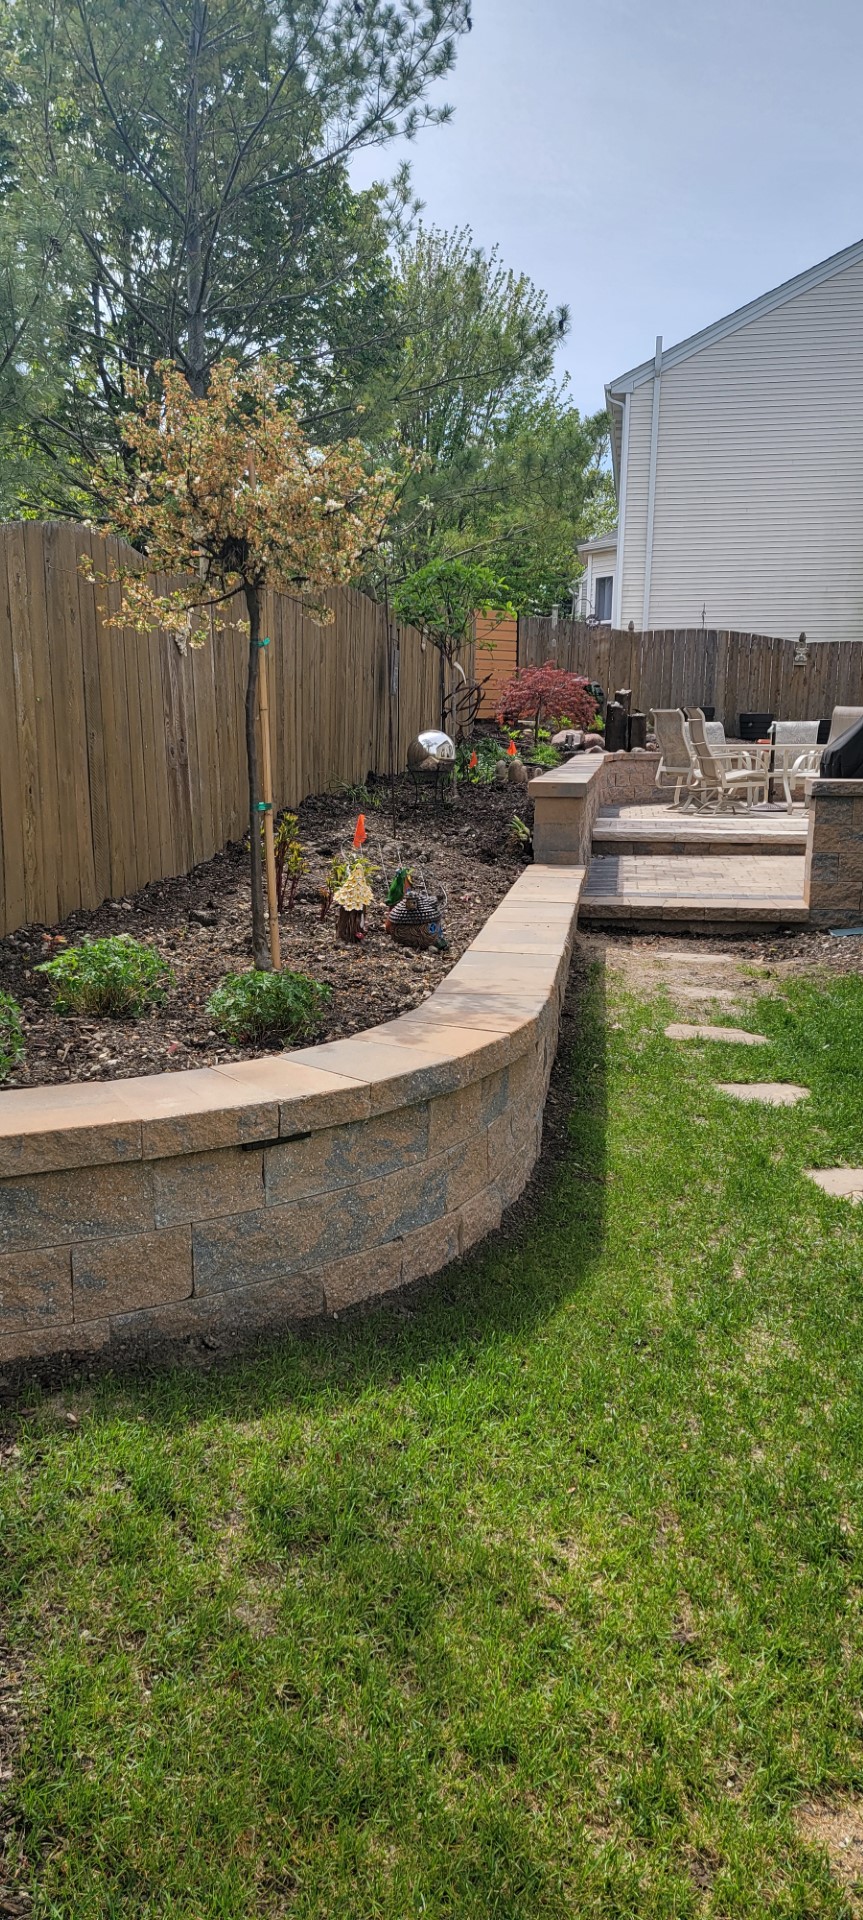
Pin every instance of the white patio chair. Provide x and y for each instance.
(723, 787)
(796, 753)
(714, 733)
(677, 761)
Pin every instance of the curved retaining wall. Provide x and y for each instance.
(245, 1196)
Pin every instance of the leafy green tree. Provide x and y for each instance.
(193, 156)
(441, 600)
(509, 473)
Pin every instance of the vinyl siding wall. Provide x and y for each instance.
(759, 486)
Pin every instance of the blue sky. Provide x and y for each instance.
(652, 165)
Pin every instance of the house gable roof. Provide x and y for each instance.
(599, 542)
(741, 317)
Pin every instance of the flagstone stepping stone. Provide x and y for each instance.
(736, 1036)
(844, 1183)
(708, 993)
(773, 1093)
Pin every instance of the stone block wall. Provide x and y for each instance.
(834, 853)
(629, 779)
(565, 805)
(567, 800)
(247, 1197)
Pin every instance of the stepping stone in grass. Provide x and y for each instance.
(708, 993)
(773, 1093)
(844, 1183)
(678, 1030)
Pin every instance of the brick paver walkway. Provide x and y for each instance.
(747, 888)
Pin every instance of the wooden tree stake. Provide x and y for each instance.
(267, 784)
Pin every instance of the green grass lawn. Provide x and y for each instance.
(541, 1599)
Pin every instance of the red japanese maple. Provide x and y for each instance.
(547, 695)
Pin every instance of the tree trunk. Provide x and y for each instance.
(260, 944)
(196, 370)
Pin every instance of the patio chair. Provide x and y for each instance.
(723, 787)
(677, 761)
(796, 753)
(842, 718)
(808, 762)
(714, 733)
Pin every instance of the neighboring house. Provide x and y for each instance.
(594, 593)
(738, 463)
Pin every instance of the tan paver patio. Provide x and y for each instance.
(738, 887)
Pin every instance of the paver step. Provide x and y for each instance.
(665, 830)
(653, 890)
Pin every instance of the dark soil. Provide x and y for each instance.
(466, 852)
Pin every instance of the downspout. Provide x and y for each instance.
(617, 590)
(651, 484)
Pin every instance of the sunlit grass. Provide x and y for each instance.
(543, 1601)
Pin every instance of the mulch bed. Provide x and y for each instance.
(466, 850)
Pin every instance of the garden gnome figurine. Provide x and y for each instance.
(352, 898)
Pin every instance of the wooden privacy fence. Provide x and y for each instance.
(122, 761)
(733, 672)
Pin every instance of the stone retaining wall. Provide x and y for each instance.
(565, 805)
(245, 1197)
(629, 779)
(834, 853)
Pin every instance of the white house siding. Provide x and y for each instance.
(640, 403)
(759, 488)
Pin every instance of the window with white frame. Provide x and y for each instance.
(602, 598)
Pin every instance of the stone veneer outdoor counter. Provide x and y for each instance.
(248, 1196)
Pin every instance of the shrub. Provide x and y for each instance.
(11, 1035)
(546, 694)
(267, 1006)
(115, 977)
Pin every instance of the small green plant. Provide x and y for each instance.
(520, 831)
(11, 1035)
(544, 756)
(476, 760)
(291, 862)
(361, 796)
(268, 1006)
(117, 977)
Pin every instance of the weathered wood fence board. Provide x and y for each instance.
(733, 672)
(122, 761)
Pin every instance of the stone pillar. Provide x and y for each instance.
(834, 853)
(565, 804)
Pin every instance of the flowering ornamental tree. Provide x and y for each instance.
(228, 490)
(547, 694)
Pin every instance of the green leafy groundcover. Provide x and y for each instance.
(543, 1599)
(260, 1005)
(114, 977)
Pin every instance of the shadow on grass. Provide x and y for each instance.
(543, 1251)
